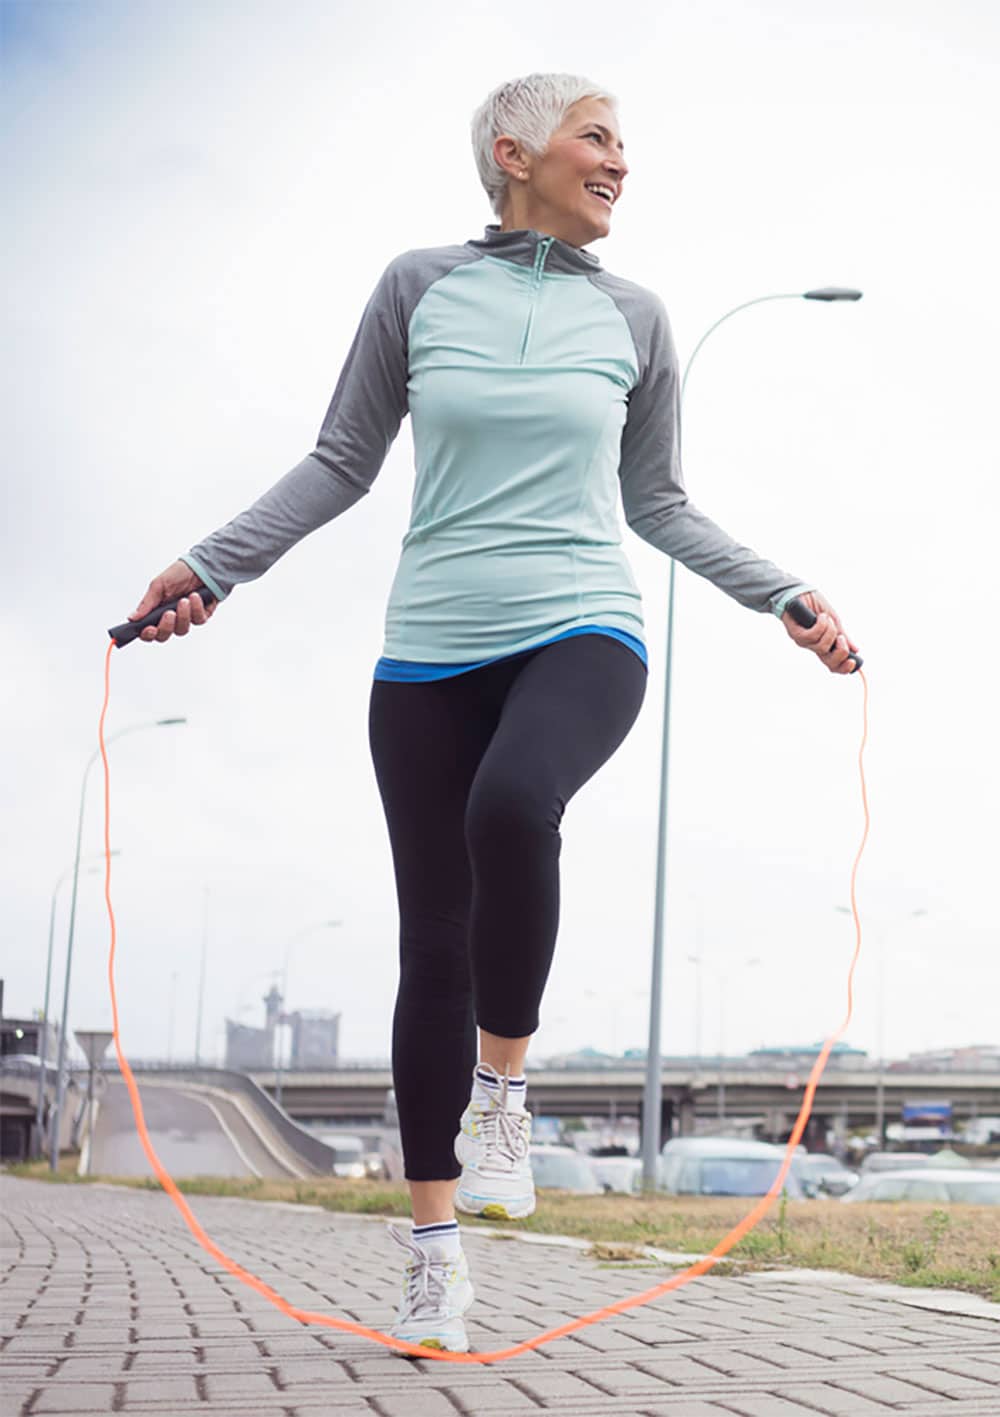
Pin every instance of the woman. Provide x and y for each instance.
(541, 389)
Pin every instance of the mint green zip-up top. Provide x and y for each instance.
(541, 389)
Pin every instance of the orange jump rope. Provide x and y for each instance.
(122, 635)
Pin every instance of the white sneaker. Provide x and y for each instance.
(493, 1147)
(436, 1293)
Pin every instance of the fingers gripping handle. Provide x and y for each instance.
(125, 633)
(803, 616)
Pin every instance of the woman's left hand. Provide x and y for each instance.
(826, 638)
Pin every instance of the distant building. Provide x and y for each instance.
(248, 1049)
(315, 1038)
(975, 1058)
(24, 1035)
(805, 1054)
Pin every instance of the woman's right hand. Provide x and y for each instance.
(178, 579)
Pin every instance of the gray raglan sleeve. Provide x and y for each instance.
(367, 408)
(656, 505)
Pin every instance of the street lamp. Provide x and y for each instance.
(653, 1087)
(721, 978)
(308, 930)
(617, 1003)
(880, 1042)
(44, 1045)
(61, 1063)
(721, 1095)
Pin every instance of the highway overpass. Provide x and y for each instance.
(845, 1095)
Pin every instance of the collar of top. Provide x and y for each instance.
(520, 246)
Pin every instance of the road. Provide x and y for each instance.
(193, 1133)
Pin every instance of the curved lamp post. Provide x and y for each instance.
(652, 1092)
(61, 1063)
(308, 930)
(880, 1078)
(43, 1048)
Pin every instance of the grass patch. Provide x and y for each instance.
(913, 1244)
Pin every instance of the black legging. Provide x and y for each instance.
(474, 773)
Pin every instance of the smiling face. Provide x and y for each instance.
(553, 195)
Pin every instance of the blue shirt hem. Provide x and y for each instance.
(406, 671)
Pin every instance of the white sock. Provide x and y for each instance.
(440, 1240)
(487, 1087)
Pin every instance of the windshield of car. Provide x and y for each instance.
(893, 1161)
(343, 1147)
(620, 1172)
(722, 1176)
(821, 1165)
(929, 1188)
(562, 1170)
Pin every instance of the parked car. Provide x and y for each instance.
(618, 1173)
(893, 1161)
(560, 1168)
(981, 1131)
(830, 1176)
(351, 1157)
(725, 1166)
(962, 1186)
(24, 1063)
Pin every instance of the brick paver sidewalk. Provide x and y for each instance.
(108, 1305)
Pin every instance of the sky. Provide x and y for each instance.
(205, 195)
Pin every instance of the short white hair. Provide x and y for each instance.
(531, 110)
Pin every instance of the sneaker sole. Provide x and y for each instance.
(493, 1210)
(437, 1344)
(455, 1344)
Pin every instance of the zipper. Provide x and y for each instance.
(540, 254)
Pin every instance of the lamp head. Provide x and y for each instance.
(832, 292)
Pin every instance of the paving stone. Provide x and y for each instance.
(25, 1344)
(882, 1389)
(689, 1408)
(769, 1405)
(87, 1397)
(145, 1392)
(983, 1366)
(818, 1345)
(601, 1338)
(681, 1370)
(315, 1402)
(418, 1404)
(490, 1396)
(258, 1410)
(621, 1379)
(15, 1395)
(554, 1388)
(303, 1372)
(957, 1385)
(179, 1333)
(833, 1402)
(149, 1361)
(219, 1328)
(89, 1368)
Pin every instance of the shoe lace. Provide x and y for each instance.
(505, 1132)
(425, 1279)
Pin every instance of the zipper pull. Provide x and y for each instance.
(540, 255)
